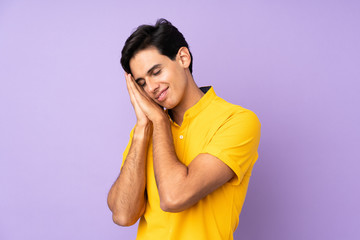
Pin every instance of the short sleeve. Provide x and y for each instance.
(236, 141)
(126, 151)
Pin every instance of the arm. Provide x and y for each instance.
(179, 186)
(126, 198)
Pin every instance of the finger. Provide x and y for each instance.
(138, 111)
(134, 98)
(133, 91)
(140, 97)
(143, 101)
(139, 91)
(130, 91)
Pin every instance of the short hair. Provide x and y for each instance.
(165, 37)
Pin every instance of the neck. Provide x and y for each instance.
(192, 95)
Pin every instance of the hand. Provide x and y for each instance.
(145, 108)
(142, 120)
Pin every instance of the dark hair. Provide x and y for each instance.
(163, 36)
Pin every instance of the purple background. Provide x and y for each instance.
(66, 117)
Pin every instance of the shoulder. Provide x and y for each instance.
(233, 113)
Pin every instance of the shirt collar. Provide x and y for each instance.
(204, 101)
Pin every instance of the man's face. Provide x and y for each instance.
(163, 79)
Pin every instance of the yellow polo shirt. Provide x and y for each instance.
(226, 131)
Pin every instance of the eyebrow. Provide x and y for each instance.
(149, 71)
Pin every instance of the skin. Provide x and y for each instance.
(179, 186)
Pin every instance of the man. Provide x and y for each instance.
(185, 170)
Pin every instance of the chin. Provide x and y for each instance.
(169, 103)
(169, 106)
(165, 106)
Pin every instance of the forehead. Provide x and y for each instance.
(145, 59)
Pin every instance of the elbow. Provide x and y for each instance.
(127, 218)
(119, 218)
(172, 204)
(122, 220)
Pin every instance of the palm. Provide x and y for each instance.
(146, 109)
(140, 115)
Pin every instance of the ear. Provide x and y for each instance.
(184, 57)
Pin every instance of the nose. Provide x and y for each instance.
(152, 86)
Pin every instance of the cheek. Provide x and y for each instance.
(165, 77)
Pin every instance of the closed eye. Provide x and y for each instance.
(141, 82)
(157, 73)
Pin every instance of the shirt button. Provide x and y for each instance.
(181, 136)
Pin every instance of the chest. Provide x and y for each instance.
(190, 140)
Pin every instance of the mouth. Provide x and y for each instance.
(162, 95)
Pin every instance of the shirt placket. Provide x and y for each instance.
(182, 138)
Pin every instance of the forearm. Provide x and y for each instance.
(126, 198)
(170, 174)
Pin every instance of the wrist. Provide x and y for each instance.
(143, 130)
(160, 119)
(143, 124)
